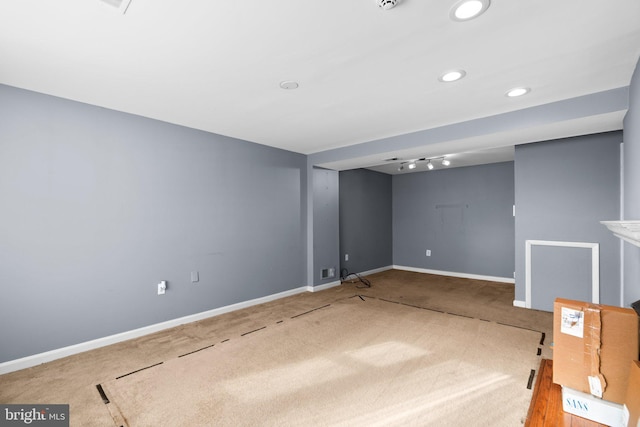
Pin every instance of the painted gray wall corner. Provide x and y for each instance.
(463, 215)
(99, 206)
(365, 220)
(326, 242)
(563, 190)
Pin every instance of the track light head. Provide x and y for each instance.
(429, 165)
(445, 162)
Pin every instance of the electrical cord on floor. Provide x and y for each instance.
(344, 276)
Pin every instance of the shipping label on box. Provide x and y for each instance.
(572, 322)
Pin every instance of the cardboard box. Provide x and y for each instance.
(631, 408)
(586, 406)
(593, 348)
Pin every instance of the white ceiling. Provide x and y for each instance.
(364, 74)
(469, 158)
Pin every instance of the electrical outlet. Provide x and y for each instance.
(428, 252)
(346, 257)
(162, 287)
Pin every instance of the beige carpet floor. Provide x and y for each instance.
(357, 362)
(340, 372)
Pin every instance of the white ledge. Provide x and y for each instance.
(626, 230)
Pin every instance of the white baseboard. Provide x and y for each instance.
(338, 283)
(518, 303)
(324, 286)
(37, 359)
(454, 274)
(48, 356)
(374, 271)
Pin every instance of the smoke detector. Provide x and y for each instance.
(386, 4)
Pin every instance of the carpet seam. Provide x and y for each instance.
(138, 370)
(310, 311)
(195, 351)
(255, 330)
(460, 315)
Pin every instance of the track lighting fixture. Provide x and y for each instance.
(413, 164)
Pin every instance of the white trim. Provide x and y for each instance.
(626, 230)
(338, 283)
(518, 303)
(376, 270)
(595, 265)
(324, 286)
(37, 359)
(454, 274)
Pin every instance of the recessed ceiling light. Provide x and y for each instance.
(289, 84)
(517, 91)
(464, 10)
(452, 76)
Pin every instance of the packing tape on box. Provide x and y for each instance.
(593, 328)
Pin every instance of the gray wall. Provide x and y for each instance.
(365, 220)
(632, 188)
(325, 225)
(563, 189)
(463, 215)
(98, 206)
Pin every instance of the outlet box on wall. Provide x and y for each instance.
(327, 273)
